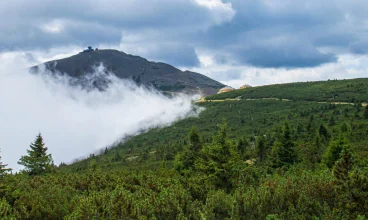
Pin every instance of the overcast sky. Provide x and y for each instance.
(233, 41)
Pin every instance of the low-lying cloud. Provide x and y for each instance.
(74, 121)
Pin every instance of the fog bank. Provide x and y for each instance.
(75, 121)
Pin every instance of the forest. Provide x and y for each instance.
(288, 151)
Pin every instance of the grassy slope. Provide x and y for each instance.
(351, 90)
(245, 118)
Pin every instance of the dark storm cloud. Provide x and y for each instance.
(177, 55)
(285, 52)
(245, 32)
(287, 33)
(359, 47)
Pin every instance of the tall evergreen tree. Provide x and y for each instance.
(283, 152)
(334, 149)
(261, 148)
(185, 160)
(218, 160)
(38, 161)
(323, 132)
(331, 121)
(351, 188)
(313, 152)
(242, 146)
(3, 170)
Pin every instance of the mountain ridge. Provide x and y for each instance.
(162, 76)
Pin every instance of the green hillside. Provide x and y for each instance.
(239, 159)
(351, 90)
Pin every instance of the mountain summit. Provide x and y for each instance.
(161, 76)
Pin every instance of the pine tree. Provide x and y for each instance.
(218, 160)
(3, 170)
(346, 128)
(352, 189)
(313, 152)
(242, 146)
(117, 157)
(331, 122)
(283, 152)
(334, 149)
(185, 160)
(310, 123)
(37, 161)
(342, 168)
(323, 132)
(261, 148)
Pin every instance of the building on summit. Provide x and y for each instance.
(89, 49)
(226, 89)
(245, 86)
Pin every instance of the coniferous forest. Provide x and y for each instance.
(293, 151)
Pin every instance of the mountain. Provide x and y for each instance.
(163, 77)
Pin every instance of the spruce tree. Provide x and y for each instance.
(218, 160)
(313, 152)
(334, 149)
(242, 146)
(117, 157)
(283, 152)
(261, 148)
(351, 187)
(185, 160)
(3, 170)
(38, 161)
(323, 132)
(331, 122)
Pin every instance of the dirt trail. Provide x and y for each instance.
(285, 100)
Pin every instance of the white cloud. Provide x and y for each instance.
(54, 27)
(347, 66)
(221, 12)
(74, 122)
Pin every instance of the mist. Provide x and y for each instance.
(75, 121)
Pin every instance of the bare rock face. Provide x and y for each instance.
(161, 76)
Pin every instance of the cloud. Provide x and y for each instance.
(359, 47)
(239, 32)
(347, 66)
(282, 54)
(73, 121)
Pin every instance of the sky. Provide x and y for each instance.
(236, 42)
(233, 41)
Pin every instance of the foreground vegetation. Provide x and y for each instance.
(261, 159)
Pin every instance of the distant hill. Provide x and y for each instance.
(348, 90)
(163, 77)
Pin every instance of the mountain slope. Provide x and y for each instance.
(248, 118)
(349, 90)
(162, 76)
